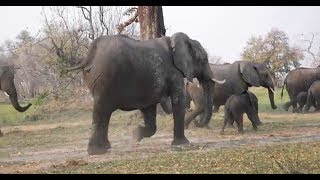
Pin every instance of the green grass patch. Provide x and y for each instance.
(264, 102)
(10, 116)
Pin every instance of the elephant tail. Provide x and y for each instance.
(85, 61)
(284, 84)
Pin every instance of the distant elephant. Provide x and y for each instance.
(7, 86)
(313, 97)
(196, 92)
(236, 106)
(301, 99)
(299, 80)
(240, 76)
(127, 74)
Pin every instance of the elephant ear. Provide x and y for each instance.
(249, 73)
(182, 57)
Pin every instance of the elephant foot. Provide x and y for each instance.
(178, 141)
(296, 111)
(137, 134)
(199, 124)
(240, 131)
(230, 126)
(285, 108)
(97, 150)
(221, 132)
(141, 132)
(275, 107)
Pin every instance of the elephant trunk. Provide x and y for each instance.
(10, 89)
(271, 97)
(16, 105)
(208, 103)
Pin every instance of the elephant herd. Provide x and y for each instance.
(303, 87)
(127, 74)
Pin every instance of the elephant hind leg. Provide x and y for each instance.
(310, 100)
(150, 128)
(98, 142)
(239, 122)
(294, 101)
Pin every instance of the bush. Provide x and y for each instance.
(41, 98)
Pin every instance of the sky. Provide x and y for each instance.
(222, 30)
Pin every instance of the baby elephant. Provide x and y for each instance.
(237, 105)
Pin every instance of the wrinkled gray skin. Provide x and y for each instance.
(299, 80)
(240, 75)
(126, 74)
(7, 85)
(313, 97)
(236, 106)
(166, 105)
(301, 100)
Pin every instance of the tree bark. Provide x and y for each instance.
(151, 22)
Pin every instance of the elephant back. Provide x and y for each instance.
(301, 79)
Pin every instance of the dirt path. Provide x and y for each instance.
(27, 159)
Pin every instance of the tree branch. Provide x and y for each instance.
(120, 27)
(101, 18)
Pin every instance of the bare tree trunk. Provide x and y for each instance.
(152, 26)
(151, 22)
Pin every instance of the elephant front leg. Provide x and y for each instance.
(178, 109)
(99, 143)
(149, 117)
(226, 120)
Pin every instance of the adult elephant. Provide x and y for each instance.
(126, 74)
(313, 97)
(7, 86)
(240, 76)
(299, 80)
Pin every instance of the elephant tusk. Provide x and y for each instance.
(272, 90)
(6, 94)
(217, 81)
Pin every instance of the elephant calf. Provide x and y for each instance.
(237, 105)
